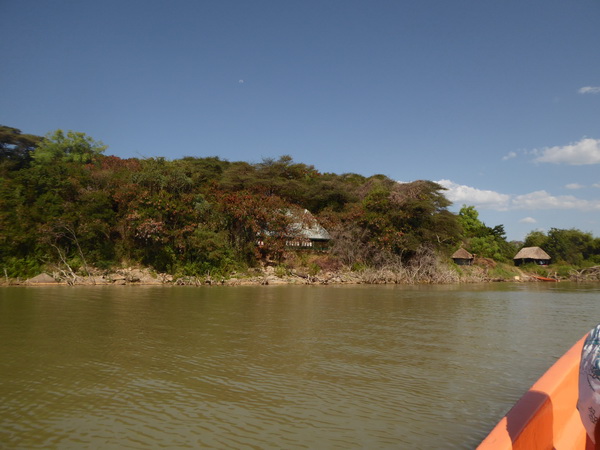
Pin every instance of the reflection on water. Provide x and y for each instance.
(275, 367)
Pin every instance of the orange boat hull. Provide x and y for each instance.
(544, 278)
(546, 417)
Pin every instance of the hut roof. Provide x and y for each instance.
(532, 253)
(461, 253)
(305, 225)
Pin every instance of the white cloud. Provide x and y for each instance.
(574, 186)
(510, 155)
(586, 151)
(596, 185)
(472, 196)
(528, 220)
(543, 200)
(492, 200)
(589, 90)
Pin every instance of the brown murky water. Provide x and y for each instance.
(276, 367)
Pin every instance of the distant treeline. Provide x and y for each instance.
(64, 204)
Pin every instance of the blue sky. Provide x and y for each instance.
(499, 101)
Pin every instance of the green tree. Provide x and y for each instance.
(210, 252)
(15, 147)
(203, 172)
(70, 147)
(536, 238)
(571, 246)
(468, 218)
(158, 174)
(481, 239)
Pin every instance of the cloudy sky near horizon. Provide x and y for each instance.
(499, 102)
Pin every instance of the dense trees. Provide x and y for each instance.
(65, 205)
(567, 246)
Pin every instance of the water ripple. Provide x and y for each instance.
(364, 367)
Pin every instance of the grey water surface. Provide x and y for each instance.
(328, 367)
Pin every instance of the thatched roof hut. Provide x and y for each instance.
(462, 257)
(303, 231)
(306, 232)
(306, 226)
(532, 255)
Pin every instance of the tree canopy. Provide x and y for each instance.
(73, 146)
(15, 147)
(481, 240)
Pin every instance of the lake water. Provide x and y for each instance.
(276, 366)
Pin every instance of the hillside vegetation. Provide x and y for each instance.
(67, 208)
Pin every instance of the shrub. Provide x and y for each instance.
(21, 268)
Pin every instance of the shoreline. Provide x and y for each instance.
(268, 277)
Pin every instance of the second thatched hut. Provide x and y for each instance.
(533, 255)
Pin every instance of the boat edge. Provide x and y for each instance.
(546, 416)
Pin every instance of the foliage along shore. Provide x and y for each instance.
(67, 209)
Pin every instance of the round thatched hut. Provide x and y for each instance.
(462, 257)
(532, 255)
